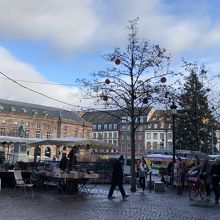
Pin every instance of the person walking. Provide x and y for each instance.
(206, 176)
(216, 179)
(63, 162)
(143, 169)
(181, 166)
(117, 178)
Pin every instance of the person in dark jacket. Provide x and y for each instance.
(216, 179)
(63, 162)
(117, 178)
(72, 158)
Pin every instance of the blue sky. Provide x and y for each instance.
(58, 41)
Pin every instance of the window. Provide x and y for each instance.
(148, 135)
(94, 127)
(141, 119)
(94, 135)
(154, 135)
(155, 145)
(65, 129)
(26, 135)
(76, 132)
(2, 132)
(15, 132)
(149, 125)
(115, 142)
(110, 126)
(99, 135)
(139, 137)
(169, 136)
(123, 120)
(105, 135)
(148, 144)
(38, 134)
(155, 125)
(38, 125)
(115, 126)
(99, 127)
(162, 136)
(115, 135)
(105, 126)
(48, 135)
(110, 135)
(49, 126)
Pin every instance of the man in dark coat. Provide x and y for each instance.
(117, 178)
(216, 179)
(63, 162)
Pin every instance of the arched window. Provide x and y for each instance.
(47, 152)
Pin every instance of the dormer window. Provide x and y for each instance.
(13, 109)
(34, 112)
(24, 110)
(45, 113)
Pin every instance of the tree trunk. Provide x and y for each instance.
(133, 174)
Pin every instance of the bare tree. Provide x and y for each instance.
(133, 84)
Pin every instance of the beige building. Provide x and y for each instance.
(28, 120)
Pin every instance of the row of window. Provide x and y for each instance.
(26, 125)
(161, 125)
(105, 127)
(156, 145)
(159, 135)
(15, 133)
(127, 119)
(105, 135)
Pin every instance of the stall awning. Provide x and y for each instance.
(73, 141)
(9, 140)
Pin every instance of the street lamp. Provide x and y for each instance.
(173, 108)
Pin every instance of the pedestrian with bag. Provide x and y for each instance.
(117, 178)
(143, 170)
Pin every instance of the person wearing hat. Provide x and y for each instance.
(117, 178)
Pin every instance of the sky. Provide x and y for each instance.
(45, 45)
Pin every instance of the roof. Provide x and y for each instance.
(29, 108)
(106, 117)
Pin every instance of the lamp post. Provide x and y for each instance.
(173, 108)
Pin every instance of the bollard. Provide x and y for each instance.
(150, 187)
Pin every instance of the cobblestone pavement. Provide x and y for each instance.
(52, 205)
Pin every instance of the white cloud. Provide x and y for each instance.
(75, 26)
(18, 70)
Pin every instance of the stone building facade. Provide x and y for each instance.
(28, 120)
(113, 127)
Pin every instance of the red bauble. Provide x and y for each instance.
(145, 100)
(117, 61)
(107, 81)
(105, 98)
(163, 79)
